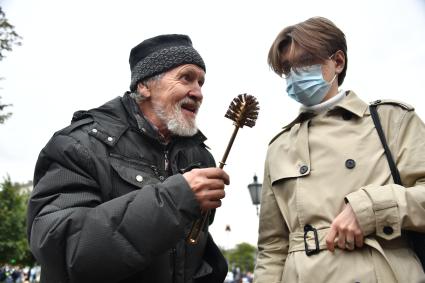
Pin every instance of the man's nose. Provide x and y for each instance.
(196, 93)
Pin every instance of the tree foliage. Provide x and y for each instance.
(8, 39)
(8, 35)
(242, 256)
(4, 116)
(13, 241)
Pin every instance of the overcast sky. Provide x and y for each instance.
(75, 56)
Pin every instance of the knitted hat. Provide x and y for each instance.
(158, 54)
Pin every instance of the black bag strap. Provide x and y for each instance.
(416, 239)
(378, 126)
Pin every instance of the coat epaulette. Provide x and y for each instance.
(393, 102)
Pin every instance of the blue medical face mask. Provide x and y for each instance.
(307, 86)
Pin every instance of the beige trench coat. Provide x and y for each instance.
(318, 161)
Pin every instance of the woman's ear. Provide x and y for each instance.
(339, 59)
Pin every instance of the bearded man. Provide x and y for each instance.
(116, 192)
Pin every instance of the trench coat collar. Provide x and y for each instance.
(351, 102)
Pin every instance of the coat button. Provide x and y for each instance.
(388, 230)
(303, 169)
(110, 139)
(350, 163)
(94, 130)
(139, 178)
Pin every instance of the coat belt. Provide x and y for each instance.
(315, 240)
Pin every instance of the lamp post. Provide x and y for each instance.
(255, 192)
(228, 230)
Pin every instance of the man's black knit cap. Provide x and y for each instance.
(158, 54)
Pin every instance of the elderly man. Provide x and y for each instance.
(117, 191)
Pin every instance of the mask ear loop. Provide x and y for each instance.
(330, 58)
(331, 82)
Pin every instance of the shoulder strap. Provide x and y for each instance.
(375, 117)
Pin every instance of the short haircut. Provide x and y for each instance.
(318, 36)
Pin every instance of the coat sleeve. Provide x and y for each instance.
(385, 210)
(273, 237)
(76, 236)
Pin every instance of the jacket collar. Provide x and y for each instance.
(138, 120)
(351, 103)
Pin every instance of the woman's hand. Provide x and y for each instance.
(345, 231)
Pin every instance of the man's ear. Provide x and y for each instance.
(143, 90)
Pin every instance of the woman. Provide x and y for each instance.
(330, 210)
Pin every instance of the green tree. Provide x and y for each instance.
(242, 256)
(13, 242)
(4, 116)
(8, 39)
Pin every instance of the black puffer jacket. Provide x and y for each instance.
(110, 203)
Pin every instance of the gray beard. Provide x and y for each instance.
(175, 121)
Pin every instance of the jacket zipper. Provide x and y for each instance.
(166, 162)
(136, 162)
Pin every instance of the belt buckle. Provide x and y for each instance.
(316, 250)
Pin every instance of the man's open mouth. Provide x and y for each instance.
(191, 107)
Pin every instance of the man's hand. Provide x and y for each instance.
(346, 229)
(208, 186)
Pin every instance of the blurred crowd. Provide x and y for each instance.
(16, 274)
(236, 276)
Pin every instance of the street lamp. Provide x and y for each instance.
(255, 192)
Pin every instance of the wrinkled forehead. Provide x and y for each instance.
(188, 68)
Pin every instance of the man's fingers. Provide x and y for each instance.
(208, 186)
(199, 178)
(211, 204)
(214, 184)
(216, 173)
(212, 194)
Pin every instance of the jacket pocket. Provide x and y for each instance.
(135, 172)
